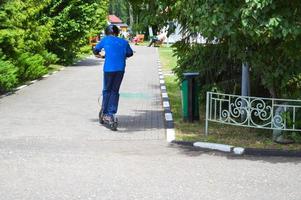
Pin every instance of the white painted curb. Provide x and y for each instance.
(170, 135)
(164, 95)
(214, 146)
(34, 81)
(238, 150)
(168, 117)
(166, 104)
(170, 131)
(21, 87)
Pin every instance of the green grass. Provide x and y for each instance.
(218, 133)
(168, 62)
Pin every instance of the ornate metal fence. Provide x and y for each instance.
(255, 112)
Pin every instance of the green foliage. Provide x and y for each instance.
(221, 75)
(49, 58)
(265, 33)
(148, 13)
(21, 30)
(73, 21)
(8, 76)
(31, 66)
(290, 123)
(85, 50)
(120, 8)
(35, 34)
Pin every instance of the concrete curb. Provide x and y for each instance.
(169, 123)
(240, 151)
(213, 146)
(170, 132)
(272, 152)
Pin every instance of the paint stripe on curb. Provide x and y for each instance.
(238, 150)
(164, 95)
(170, 134)
(214, 146)
(34, 81)
(21, 87)
(166, 104)
(169, 124)
(168, 117)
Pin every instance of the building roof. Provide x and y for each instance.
(114, 19)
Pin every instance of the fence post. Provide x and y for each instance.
(207, 114)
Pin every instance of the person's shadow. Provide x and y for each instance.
(143, 120)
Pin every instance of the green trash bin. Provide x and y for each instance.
(190, 97)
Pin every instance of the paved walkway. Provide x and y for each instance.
(52, 147)
(66, 104)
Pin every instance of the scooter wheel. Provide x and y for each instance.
(113, 126)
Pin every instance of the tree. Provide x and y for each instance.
(120, 8)
(23, 37)
(73, 21)
(142, 14)
(264, 33)
(34, 34)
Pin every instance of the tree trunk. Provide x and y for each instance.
(272, 92)
(131, 14)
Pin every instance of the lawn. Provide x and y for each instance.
(218, 133)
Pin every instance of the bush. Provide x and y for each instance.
(217, 71)
(73, 21)
(31, 66)
(265, 34)
(8, 76)
(49, 58)
(86, 50)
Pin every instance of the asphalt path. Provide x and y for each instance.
(52, 147)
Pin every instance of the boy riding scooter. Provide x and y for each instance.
(117, 50)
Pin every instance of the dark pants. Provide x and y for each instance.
(110, 92)
(154, 40)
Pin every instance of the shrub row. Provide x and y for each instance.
(35, 34)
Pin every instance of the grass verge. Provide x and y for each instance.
(218, 133)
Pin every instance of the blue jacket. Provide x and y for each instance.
(117, 50)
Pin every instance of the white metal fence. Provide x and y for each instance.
(255, 112)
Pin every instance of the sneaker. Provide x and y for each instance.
(108, 118)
